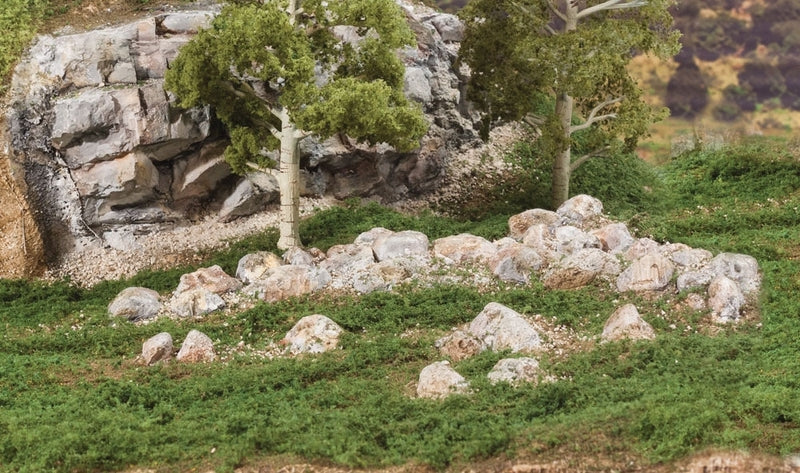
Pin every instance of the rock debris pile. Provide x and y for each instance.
(574, 246)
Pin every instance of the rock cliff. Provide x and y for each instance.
(101, 150)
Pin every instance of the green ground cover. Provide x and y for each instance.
(71, 399)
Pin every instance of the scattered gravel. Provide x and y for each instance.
(124, 255)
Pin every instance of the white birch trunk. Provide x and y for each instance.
(289, 184)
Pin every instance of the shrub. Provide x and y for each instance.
(687, 92)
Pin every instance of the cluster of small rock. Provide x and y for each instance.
(313, 334)
(565, 249)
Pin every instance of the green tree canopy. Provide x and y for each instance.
(574, 54)
(276, 71)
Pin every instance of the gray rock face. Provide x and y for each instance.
(135, 304)
(515, 371)
(196, 348)
(626, 322)
(313, 334)
(103, 148)
(439, 380)
(157, 348)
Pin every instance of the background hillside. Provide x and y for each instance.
(737, 75)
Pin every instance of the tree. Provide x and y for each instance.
(277, 71)
(572, 53)
(687, 92)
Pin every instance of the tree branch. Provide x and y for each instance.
(269, 171)
(577, 163)
(555, 10)
(593, 118)
(611, 5)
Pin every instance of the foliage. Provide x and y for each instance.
(574, 54)
(762, 79)
(18, 21)
(254, 45)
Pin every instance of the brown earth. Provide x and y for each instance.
(21, 249)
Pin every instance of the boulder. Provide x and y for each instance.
(157, 348)
(651, 272)
(136, 304)
(439, 380)
(640, 248)
(195, 302)
(515, 371)
(694, 279)
(615, 238)
(283, 282)
(742, 269)
(127, 181)
(500, 328)
(196, 348)
(459, 345)
(464, 248)
(380, 276)
(212, 279)
(313, 334)
(405, 244)
(626, 322)
(725, 299)
(255, 266)
(371, 236)
(515, 263)
(540, 237)
(581, 268)
(569, 239)
(520, 223)
(246, 199)
(686, 257)
(580, 210)
(344, 262)
(297, 256)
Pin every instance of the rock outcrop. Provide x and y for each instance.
(103, 150)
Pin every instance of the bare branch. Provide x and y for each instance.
(257, 168)
(550, 30)
(556, 11)
(534, 121)
(594, 154)
(594, 118)
(611, 5)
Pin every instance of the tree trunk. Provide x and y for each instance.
(564, 105)
(561, 164)
(289, 184)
